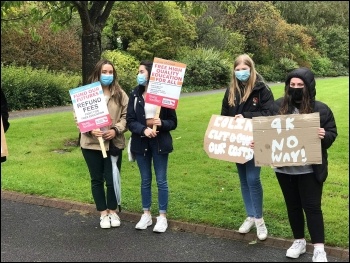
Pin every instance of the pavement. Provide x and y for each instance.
(37, 228)
(41, 229)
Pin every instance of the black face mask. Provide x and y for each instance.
(296, 94)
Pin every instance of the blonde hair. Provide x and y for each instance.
(234, 85)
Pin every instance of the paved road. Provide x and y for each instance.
(41, 111)
(33, 233)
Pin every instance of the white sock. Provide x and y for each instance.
(259, 220)
(319, 247)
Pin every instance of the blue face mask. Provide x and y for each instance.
(106, 80)
(242, 75)
(141, 79)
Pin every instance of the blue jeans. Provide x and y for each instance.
(252, 192)
(160, 164)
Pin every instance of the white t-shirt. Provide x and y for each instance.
(150, 110)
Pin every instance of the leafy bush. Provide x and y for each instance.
(337, 70)
(126, 66)
(321, 66)
(271, 73)
(287, 64)
(59, 51)
(205, 68)
(27, 88)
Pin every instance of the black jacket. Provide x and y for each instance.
(327, 120)
(4, 116)
(136, 123)
(257, 104)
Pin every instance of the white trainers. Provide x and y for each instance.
(247, 225)
(298, 248)
(261, 229)
(161, 225)
(145, 221)
(319, 256)
(105, 222)
(114, 219)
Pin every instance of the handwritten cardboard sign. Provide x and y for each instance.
(4, 150)
(228, 139)
(287, 140)
(90, 107)
(165, 83)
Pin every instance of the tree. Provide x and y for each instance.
(93, 16)
(149, 29)
(321, 14)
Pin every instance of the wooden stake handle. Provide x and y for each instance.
(104, 153)
(156, 116)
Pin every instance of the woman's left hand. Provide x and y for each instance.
(109, 134)
(321, 133)
(157, 122)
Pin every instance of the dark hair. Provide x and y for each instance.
(148, 65)
(309, 91)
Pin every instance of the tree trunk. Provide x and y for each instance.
(91, 53)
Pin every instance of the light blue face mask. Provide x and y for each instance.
(141, 79)
(242, 75)
(106, 80)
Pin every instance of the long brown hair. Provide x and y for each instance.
(235, 83)
(114, 87)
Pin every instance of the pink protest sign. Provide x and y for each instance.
(165, 83)
(90, 107)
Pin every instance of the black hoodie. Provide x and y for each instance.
(327, 120)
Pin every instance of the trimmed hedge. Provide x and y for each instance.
(27, 88)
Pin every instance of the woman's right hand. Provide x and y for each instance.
(238, 116)
(150, 133)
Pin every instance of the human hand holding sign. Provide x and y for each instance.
(321, 133)
(238, 116)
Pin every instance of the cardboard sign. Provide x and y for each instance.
(90, 107)
(4, 151)
(228, 139)
(287, 140)
(165, 83)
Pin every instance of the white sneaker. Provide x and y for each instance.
(261, 229)
(105, 222)
(145, 221)
(114, 219)
(319, 256)
(247, 225)
(298, 248)
(161, 225)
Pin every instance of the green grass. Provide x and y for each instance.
(202, 190)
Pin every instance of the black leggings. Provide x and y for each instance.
(303, 193)
(101, 171)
